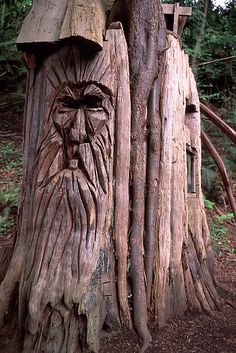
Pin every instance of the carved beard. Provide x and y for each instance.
(70, 200)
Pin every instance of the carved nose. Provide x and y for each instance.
(78, 132)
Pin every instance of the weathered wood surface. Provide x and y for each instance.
(85, 19)
(179, 13)
(50, 21)
(122, 170)
(182, 267)
(76, 115)
(170, 9)
(43, 23)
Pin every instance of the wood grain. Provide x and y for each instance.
(71, 140)
(50, 21)
(183, 262)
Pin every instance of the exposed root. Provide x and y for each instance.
(147, 339)
(145, 346)
(9, 283)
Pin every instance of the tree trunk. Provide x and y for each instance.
(76, 112)
(145, 47)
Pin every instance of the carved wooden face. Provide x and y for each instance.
(73, 173)
(74, 169)
(73, 196)
(80, 114)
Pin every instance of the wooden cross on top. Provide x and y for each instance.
(176, 16)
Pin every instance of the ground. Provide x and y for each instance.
(194, 332)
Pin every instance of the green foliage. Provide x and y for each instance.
(209, 177)
(218, 230)
(12, 14)
(232, 118)
(6, 223)
(9, 199)
(218, 236)
(224, 217)
(219, 233)
(217, 81)
(208, 204)
(10, 156)
(11, 174)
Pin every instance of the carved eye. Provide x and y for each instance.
(90, 102)
(93, 102)
(72, 103)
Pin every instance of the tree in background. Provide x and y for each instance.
(216, 80)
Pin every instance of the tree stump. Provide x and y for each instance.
(77, 117)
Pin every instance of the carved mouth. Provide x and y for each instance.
(75, 153)
(73, 164)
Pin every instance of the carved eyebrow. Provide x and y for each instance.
(88, 101)
(94, 87)
(70, 102)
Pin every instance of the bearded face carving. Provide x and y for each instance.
(73, 183)
(80, 114)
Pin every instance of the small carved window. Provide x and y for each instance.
(191, 180)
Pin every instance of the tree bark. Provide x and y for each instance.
(153, 163)
(146, 21)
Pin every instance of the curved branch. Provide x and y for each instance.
(220, 164)
(231, 133)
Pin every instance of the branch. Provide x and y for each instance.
(3, 74)
(221, 167)
(216, 60)
(231, 133)
(8, 105)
